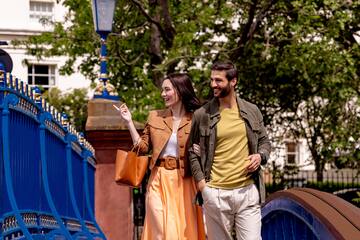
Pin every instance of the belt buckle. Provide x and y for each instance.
(170, 163)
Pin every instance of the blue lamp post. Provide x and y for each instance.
(103, 13)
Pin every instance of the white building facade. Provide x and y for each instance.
(20, 19)
(292, 153)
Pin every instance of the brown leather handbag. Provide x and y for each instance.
(130, 168)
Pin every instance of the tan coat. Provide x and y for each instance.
(157, 132)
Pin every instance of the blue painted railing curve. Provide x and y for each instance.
(69, 139)
(44, 188)
(303, 213)
(86, 154)
(45, 116)
(13, 100)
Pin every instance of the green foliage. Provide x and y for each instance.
(331, 186)
(357, 199)
(282, 178)
(297, 60)
(304, 76)
(74, 104)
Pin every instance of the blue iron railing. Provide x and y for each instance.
(47, 170)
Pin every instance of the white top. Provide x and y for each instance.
(171, 147)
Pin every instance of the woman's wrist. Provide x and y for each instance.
(201, 185)
(137, 141)
(129, 123)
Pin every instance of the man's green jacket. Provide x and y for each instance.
(203, 133)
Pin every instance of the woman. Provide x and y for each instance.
(170, 212)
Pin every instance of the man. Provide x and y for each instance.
(233, 144)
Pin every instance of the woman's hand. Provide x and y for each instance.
(201, 185)
(126, 116)
(125, 113)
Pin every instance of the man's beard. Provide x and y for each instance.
(225, 91)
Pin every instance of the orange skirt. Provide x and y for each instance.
(170, 211)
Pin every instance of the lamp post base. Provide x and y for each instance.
(106, 90)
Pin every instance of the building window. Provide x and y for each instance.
(40, 10)
(292, 153)
(41, 75)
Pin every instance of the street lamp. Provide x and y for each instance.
(103, 13)
(6, 63)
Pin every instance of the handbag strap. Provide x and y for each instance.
(138, 149)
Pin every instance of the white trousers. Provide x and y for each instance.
(225, 209)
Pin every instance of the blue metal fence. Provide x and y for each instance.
(46, 170)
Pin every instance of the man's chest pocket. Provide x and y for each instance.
(253, 133)
(204, 139)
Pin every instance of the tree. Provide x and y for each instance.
(302, 69)
(74, 104)
(298, 60)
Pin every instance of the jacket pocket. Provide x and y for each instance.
(204, 139)
(158, 138)
(253, 132)
(255, 126)
(187, 129)
(204, 132)
(155, 125)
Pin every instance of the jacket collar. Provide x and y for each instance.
(214, 107)
(186, 119)
(242, 106)
(168, 120)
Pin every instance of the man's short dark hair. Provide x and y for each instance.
(226, 66)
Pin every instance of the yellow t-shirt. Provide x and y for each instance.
(231, 152)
